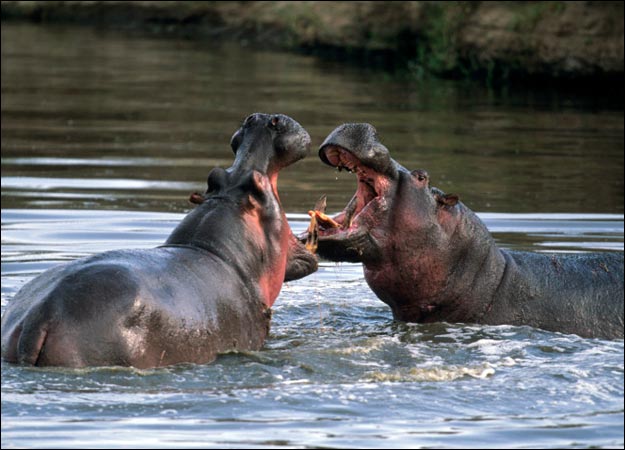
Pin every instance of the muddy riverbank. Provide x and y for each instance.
(493, 41)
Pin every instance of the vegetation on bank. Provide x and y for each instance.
(488, 40)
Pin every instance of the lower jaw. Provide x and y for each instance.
(331, 232)
(338, 233)
(335, 251)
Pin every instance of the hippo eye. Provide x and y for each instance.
(420, 174)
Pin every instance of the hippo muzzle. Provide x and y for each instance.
(268, 143)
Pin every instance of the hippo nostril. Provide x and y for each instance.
(275, 120)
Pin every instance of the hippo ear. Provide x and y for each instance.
(420, 174)
(447, 199)
(196, 198)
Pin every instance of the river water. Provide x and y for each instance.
(103, 138)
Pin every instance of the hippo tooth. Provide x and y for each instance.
(322, 219)
(312, 240)
(321, 204)
(350, 211)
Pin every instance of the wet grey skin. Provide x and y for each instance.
(430, 258)
(207, 290)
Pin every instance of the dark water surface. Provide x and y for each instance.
(103, 138)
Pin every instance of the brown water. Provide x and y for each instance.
(103, 138)
(93, 120)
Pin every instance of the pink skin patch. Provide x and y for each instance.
(270, 282)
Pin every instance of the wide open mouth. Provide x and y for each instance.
(369, 193)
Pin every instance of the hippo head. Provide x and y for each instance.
(240, 215)
(410, 237)
(391, 205)
(268, 143)
(263, 145)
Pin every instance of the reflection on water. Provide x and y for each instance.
(92, 106)
(103, 138)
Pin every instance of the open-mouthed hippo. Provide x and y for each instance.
(207, 290)
(430, 258)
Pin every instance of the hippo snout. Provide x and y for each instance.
(269, 142)
(292, 142)
(361, 140)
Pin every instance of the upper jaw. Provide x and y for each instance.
(264, 144)
(370, 195)
(268, 143)
(361, 140)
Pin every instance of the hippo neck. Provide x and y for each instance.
(219, 227)
(477, 267)
(470, 268)
(482, 269)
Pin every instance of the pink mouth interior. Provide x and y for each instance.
(370, 185)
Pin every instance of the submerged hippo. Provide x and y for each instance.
(430, 258)
(207, 290)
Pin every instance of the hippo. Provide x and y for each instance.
(430, 258)
(207, 290)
